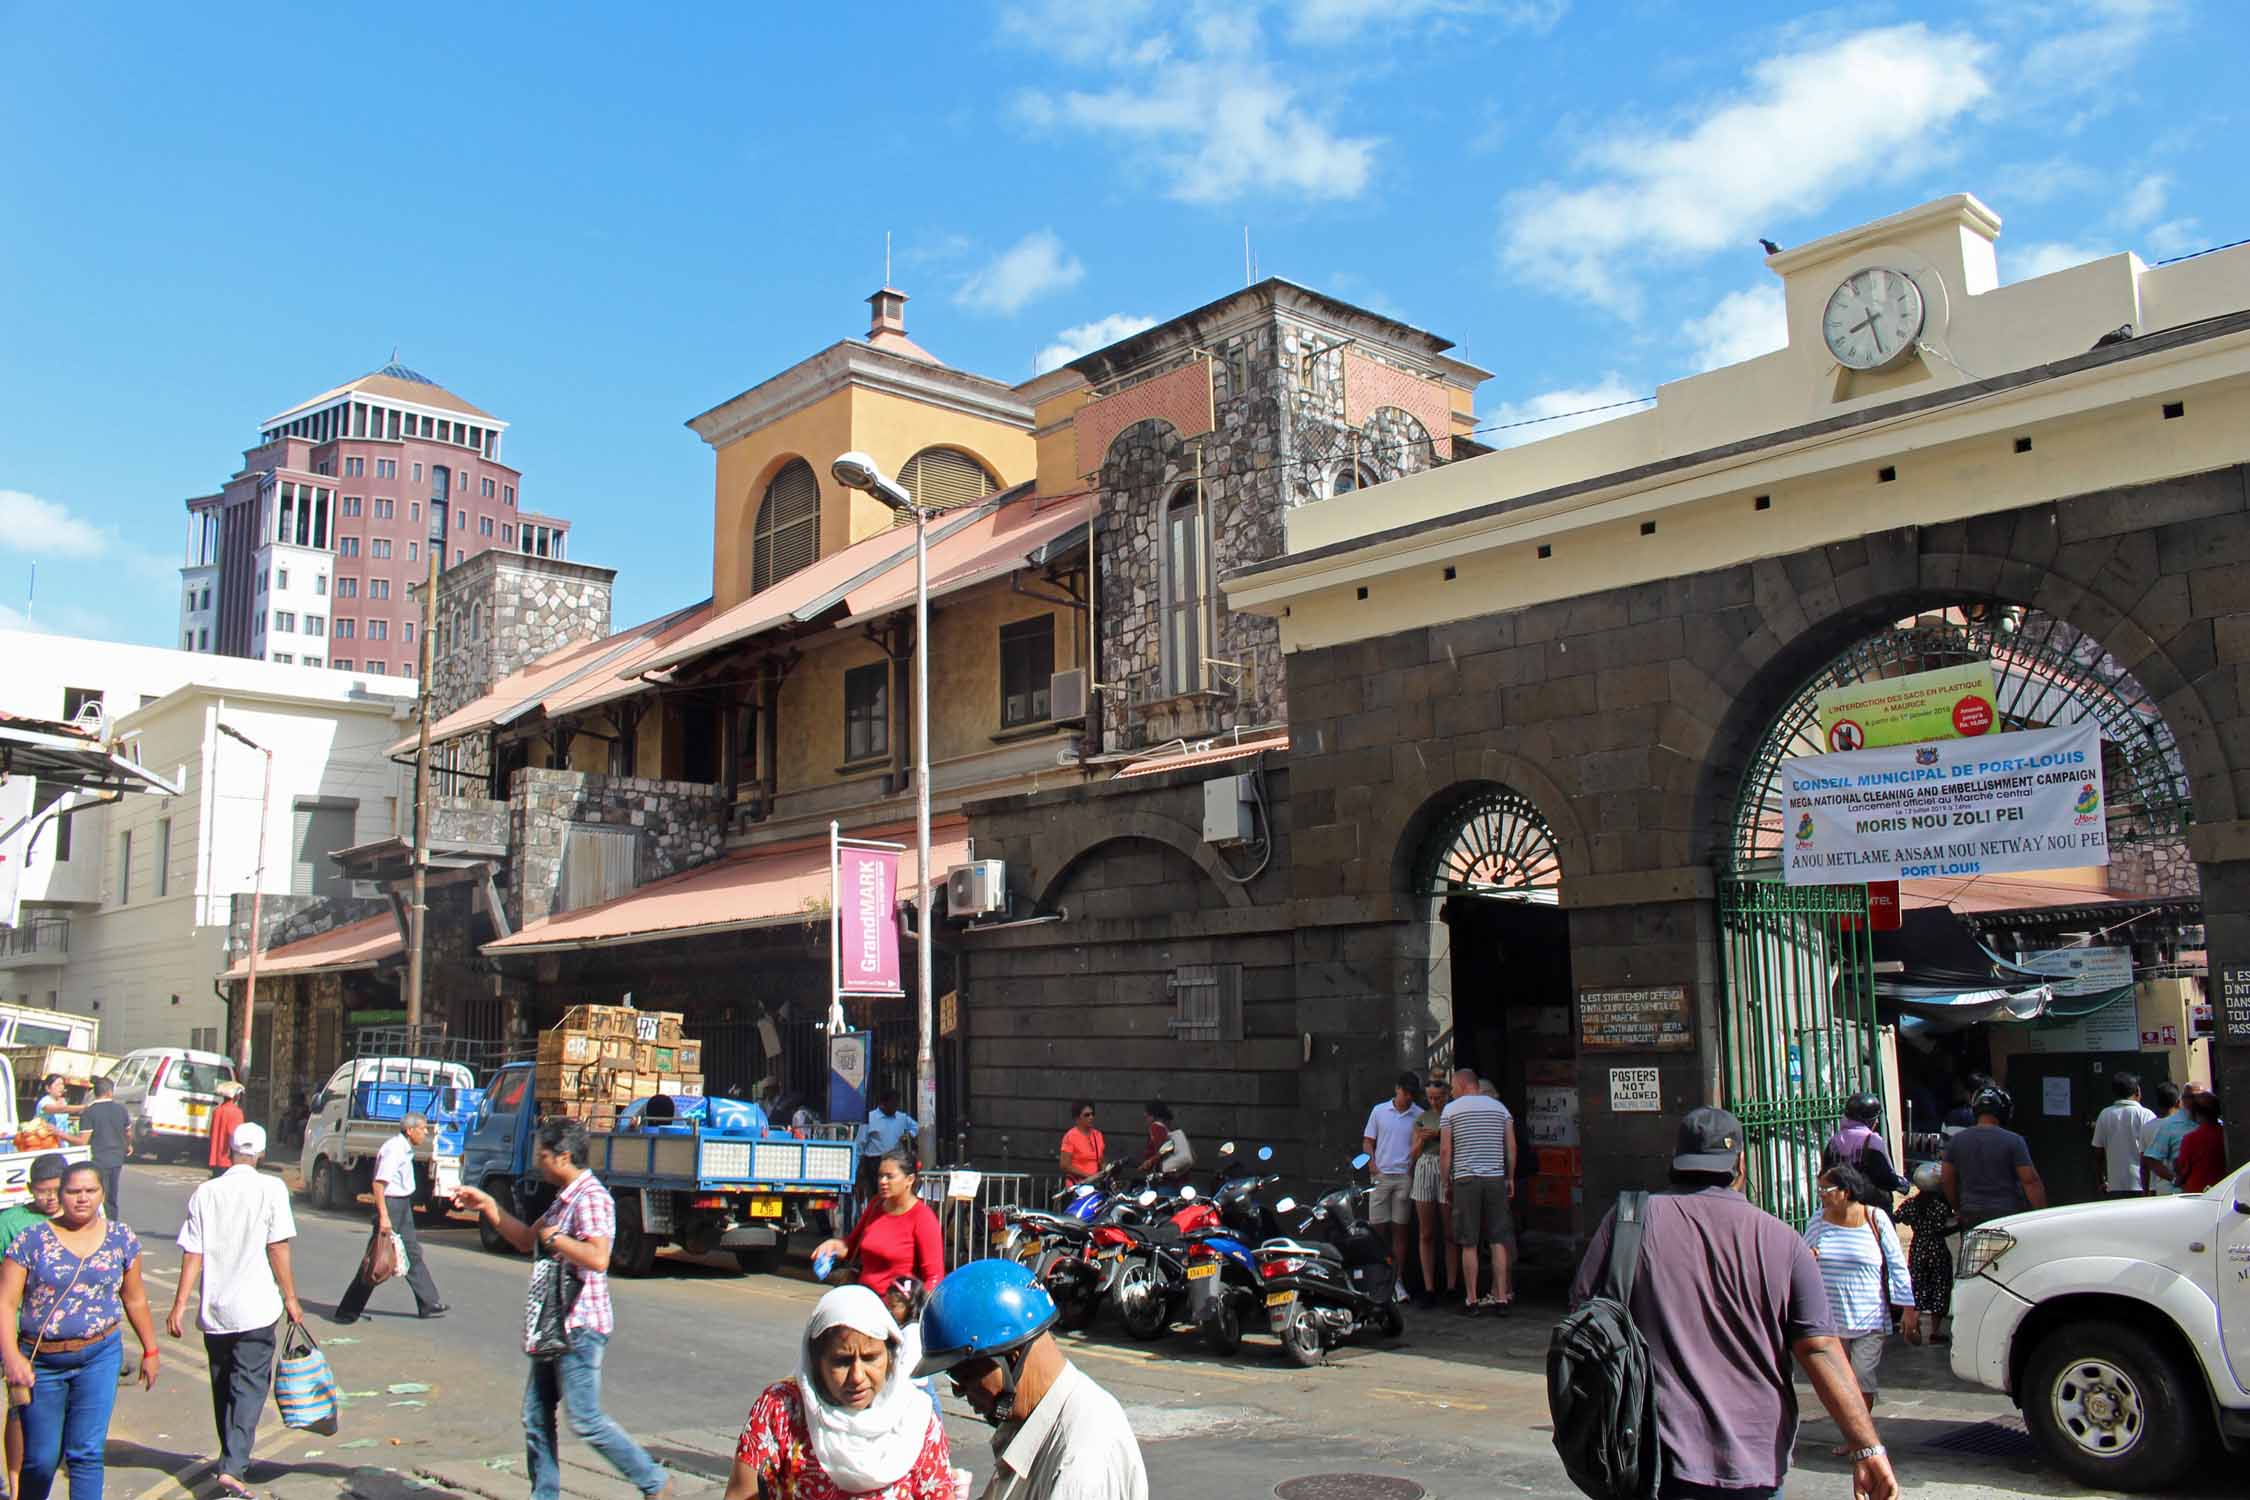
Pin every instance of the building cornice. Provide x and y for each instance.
(853, 363)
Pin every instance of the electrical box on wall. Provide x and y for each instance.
(1229, 816)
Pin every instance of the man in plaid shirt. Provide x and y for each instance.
(578, 1228)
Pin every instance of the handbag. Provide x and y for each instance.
(1882, 1271)
(20, 1395)
(381, 1262)
(555, 1285)
(304, 1388)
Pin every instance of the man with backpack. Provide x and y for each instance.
(1713, 1300)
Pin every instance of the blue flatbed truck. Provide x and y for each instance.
(704, 1174)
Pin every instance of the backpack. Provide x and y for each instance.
(1601, 1387)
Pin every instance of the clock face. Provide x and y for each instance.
(1873, 318)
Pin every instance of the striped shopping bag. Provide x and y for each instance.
(303, 1386)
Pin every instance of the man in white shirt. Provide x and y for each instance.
(236, 1243)
(2120, 1131)
(394, 1214)
(1061, 1436)
(1388, 1141)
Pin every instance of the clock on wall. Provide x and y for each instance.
(1873, 318)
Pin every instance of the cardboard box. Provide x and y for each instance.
(661, 1059)
(689, 1083)
(602, 1020)
(689, 1056)
(623, 1086)
(644, 1086)
(565, 1081)
(620, 1052)
(668, 1025)
(575, 1047)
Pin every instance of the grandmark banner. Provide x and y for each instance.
(2026, 801)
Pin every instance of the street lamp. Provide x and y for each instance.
(856, 471)
(257, 903)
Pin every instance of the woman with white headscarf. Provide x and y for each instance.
(851, 1425)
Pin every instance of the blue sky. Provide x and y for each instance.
(596, 222)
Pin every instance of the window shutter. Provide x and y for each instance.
(1208, 1003)
(786, 535)
(314, 833)
(598, 864)
(943, 479)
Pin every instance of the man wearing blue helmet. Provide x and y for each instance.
(1061, 1436)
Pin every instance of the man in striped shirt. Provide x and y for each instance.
(1476, 1143)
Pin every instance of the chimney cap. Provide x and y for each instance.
(887, 328)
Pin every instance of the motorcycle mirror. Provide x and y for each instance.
(1265, 1153)
(1188, 1193)
(1285, 1205)
(1147, 1197)
(1360, 1161)
(1227, 1149)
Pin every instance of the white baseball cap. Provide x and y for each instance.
(249, 1140)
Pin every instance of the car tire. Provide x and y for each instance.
(324, 1186)
(2111, 1408)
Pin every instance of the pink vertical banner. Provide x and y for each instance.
(866, 921)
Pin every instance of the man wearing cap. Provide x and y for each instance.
(1061, 1436)
(1727, 1296)
(236, 1244)
(225, 1116)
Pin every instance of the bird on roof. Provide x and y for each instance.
(1770, 247)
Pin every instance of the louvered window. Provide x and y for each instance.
(1180, 601)
(942, 478)
(1208, 1003)
(598, 864)
(786, 535)
(317, 830)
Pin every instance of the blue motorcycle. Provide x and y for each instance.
(1222, 1274)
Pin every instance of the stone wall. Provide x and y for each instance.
(500, 610)
(1083, 1007)
(681, 824)
(455, 821)
(290, 919)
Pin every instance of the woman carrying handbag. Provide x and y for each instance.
(1865, 1272)
(73, 1283)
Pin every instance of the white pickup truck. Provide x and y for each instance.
(359, 1109)
(2121, 1329)
(15, 1166)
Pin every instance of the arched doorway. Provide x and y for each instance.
(1490, 867)
(1805, 1023)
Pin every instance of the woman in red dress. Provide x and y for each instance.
(897, 1235)
(852, 1425)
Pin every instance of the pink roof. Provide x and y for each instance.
(355, 945)
(1203, 756)
(990, 546)
(761, 888)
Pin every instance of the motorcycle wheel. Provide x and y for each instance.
(1074, 1310)
(1300, 1340)
(1392, 1320)
(1141, 1303)
(1222, 1328)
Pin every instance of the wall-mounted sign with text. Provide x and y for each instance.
(1653, 1018)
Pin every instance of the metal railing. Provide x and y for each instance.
(964, 1199)
(41, 935)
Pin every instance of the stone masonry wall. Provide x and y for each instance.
(291, 919)
(500, 610)
(681, 824)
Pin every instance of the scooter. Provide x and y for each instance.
(1222, 1276)
(1032, 1237)
(1320, 1292)
(1151, 1286)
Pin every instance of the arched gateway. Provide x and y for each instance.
(1801, 1028)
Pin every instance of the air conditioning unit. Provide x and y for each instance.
(1066, 694)
(977, 889)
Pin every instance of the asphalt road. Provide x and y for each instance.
(1458, 1406)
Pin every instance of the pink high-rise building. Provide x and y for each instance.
(308, 553)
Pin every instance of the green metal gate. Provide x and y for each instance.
(1798, 1032)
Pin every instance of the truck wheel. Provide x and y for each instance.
(2111, 1409)
(756, 1260)
(633, 1253)
(324, 1186)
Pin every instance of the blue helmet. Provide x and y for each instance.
(986, 1307)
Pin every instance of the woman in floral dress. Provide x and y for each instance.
(68, 1287)
(1929, 1259)
(851, 1425)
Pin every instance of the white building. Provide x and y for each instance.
(121, 910)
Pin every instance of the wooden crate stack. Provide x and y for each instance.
(603, 1057)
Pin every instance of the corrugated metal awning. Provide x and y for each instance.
(1203, 755)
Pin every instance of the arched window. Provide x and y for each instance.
(1180, 653)
(1354, 475)
(941, 478)
(786, 535)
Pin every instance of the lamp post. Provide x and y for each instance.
(418, 910)
(858, 472)
(257, 902)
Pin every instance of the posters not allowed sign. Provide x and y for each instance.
(2026, 801)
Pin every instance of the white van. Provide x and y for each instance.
(170, 1092)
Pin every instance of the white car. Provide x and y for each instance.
(2121, 1329)
(170, 1092)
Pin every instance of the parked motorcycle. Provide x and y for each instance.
(1222, 1275)
(1321, 1291)
(1151, 1286)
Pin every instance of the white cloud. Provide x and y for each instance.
(1207, 109)
(2047, 257)
(1553, 412)
(44, 528)
(1031, 268)
(2175, 237)
(1086, 338)
(1330, 21)
(2082, 59)
(2145, 203)
(1800, 137)
(1741, 325)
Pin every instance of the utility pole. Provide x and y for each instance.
(257, 908)
(417, 912)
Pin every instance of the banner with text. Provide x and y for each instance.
(2025, 801)
(867, 921)
(1950, 703)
